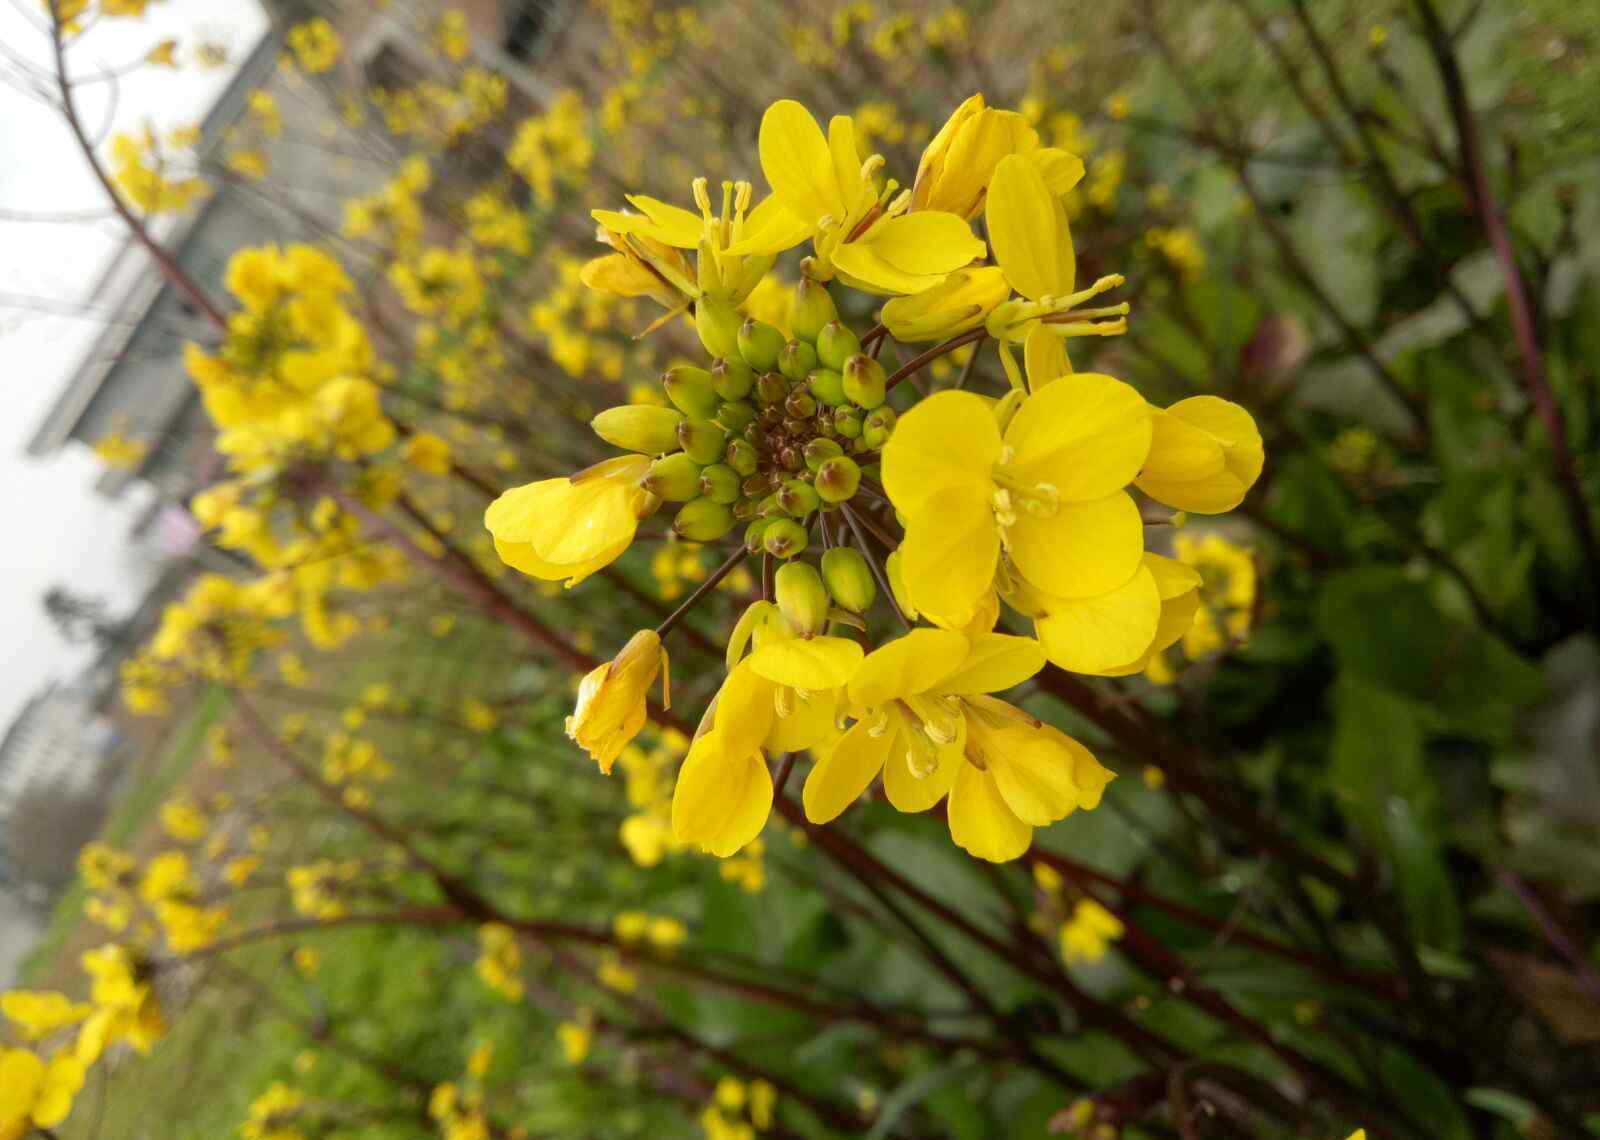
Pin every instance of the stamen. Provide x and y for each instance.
(879, 726)
(783, 701)
(702, 196)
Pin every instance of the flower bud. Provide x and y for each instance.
(702, 520)
(702, 439)
(734, 415)
(611, 699)
(732, 378)
(864, 381)
(847, 422)
(771, 388)
(784, 538)
(796, 359)
(719, 483)
(691, 390)
(837, 479)
(742, 456)
(849, 579)
(960, 302)
(819, 451)
(644, 428)
(876, 427)
(800, 404)
(675, 478)
(827, 386)
(801, 597)
(813, 308)
(754, 535)
(798, 498)
(759, 345)
(836, 344)
(717, 322)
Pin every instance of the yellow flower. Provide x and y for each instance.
(864, 235)
(39, 1014)
(757, 234)
(910, 718)
(1048, 492)
(570, 527)
(574, 1038)
(164, 54)
(315, 45)
(611, 698)
(453, 35)
(1205, 454)
(500, 960)
(37, 1092)
(273, 1113)
(1087, 935)
(958, 163)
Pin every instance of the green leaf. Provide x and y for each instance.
(1426, 890)
(1426, 1099)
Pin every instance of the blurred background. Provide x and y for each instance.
(1372, 224)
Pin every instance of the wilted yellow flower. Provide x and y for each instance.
(570, 527)
(611, 698)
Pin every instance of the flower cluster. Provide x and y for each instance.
(947, 508)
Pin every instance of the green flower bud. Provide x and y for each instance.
(876, 427)
(717, 322)
(827, 386)
(864, 381)
(801, 597)
(837, 479)
(675, 478)
(836, 344)
(800, 405)
(702, 520)
(734, 415)
(745, 509)
(813, 308)
(719, 483)
(771, 388)
(702, 439)
(754, 535)
(849, 579)
(759, 345)
(691, 390)
(796, 359)
(742, 456)
(784, 538)
(819, 451)
(847, 422)
(644, 428)
(758, 484)
(733, 378)
(798, 498)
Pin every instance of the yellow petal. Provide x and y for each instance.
(1181, 452)
(1081, 550)
(1091, 635)
(980, 820)
(930, 243)
(1028, 230)
(1089, 774)
(994, 661)
(722, 799)
(1035, 771)
(1178, 584)
(846, 164)
(948, 440)
(770, 228)
(908, 665)
(745, 709)
(948, 557)
(21, 1075)
(909, 792)
(797, 163)
(1060, 169)
(817, 663)
(521, 556)
(1086, 435)
(62, 1081)
(808, 721)
(1233, 430)
(1044, 356)
(845, 771)
(619, 274)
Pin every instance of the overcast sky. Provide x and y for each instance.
(56, 529)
